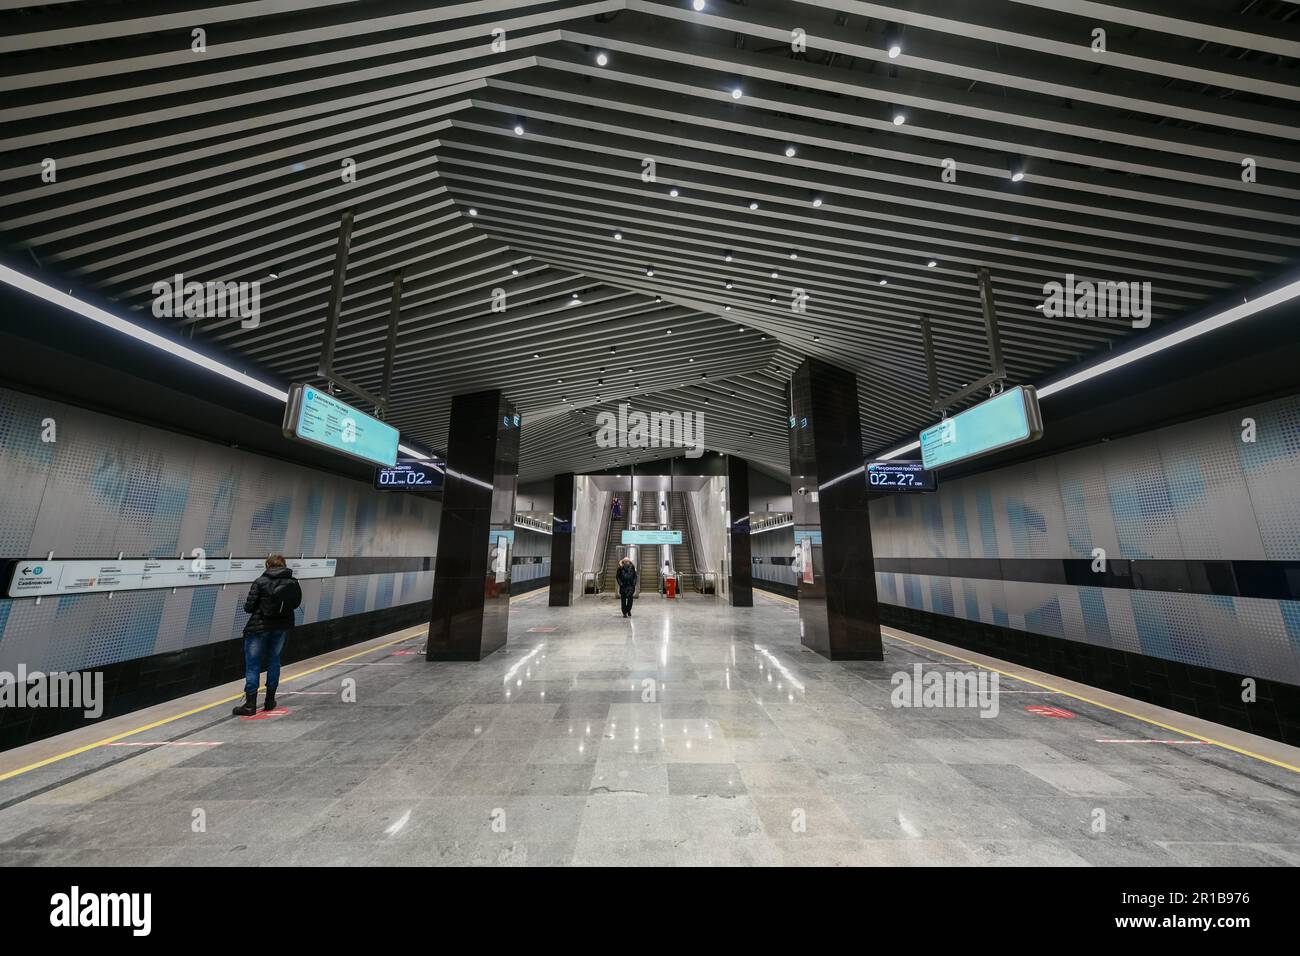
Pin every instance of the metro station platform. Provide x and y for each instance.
(754, 751)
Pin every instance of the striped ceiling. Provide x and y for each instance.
(506, 145)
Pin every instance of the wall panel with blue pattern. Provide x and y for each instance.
(1192, 492)
(107, 486)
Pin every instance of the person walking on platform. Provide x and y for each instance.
(271, 602)
(626, 578)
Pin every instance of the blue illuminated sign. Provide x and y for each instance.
(1004, 421)
(318, 418)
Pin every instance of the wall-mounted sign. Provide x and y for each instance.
(651, 537)
(1004, 421)
(40, 578)
(410, 474)
(900, 476)
(318, 418)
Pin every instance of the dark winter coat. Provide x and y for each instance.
(271, 601)
(626, 578)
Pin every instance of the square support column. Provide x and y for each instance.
(838, 615)
(471, 585)
(562, 542)
(740, 566)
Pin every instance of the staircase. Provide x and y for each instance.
(647, 556)
(614, 551)
(683, 559)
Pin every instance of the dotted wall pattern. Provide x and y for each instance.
(1193, 491)
(106, 486)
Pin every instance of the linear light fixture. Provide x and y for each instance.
(70, 302)
(1152, 347)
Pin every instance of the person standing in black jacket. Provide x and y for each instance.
(271, 602)
(626, 578)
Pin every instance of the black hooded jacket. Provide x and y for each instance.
(271, 601)
(626, 578)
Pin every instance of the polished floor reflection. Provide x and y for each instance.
(691, 734)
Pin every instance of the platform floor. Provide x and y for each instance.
(755, 751)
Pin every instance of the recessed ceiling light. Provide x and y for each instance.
(514, 272)
(884, 281)
(698, 5)
(789, 151)
(728, 308)
(816, 201)
(473, 212)
(618, 235)
(737, 93)
(899, 118)
(670, 332)
(601, 59)
(519, 130)
(673, 192)
(753, 204)
(649, 270)
(793, 254)
(931, 264)
(728, 283)
(537, 355)
(775, 274)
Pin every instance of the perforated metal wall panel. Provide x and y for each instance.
(105, 486)
(1195, 492)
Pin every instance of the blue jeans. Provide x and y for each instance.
(265, 646)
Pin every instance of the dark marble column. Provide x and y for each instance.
(562, 542)
(740, 566)
(471, 585)
(838, 616)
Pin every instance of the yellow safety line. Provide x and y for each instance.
(1086, 700)
(197, 710)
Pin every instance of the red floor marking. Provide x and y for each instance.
(1044, 711)
(1145, 740)
(267, 714)
(167, 743)
(404, 653)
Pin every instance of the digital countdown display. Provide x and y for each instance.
(410, 474)
(320, 419)
(900, 476)
(1008, 419)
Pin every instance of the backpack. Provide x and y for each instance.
(281, 598)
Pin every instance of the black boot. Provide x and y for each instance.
(269, 704)
(249, 707)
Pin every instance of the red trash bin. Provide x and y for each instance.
(672, 587)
